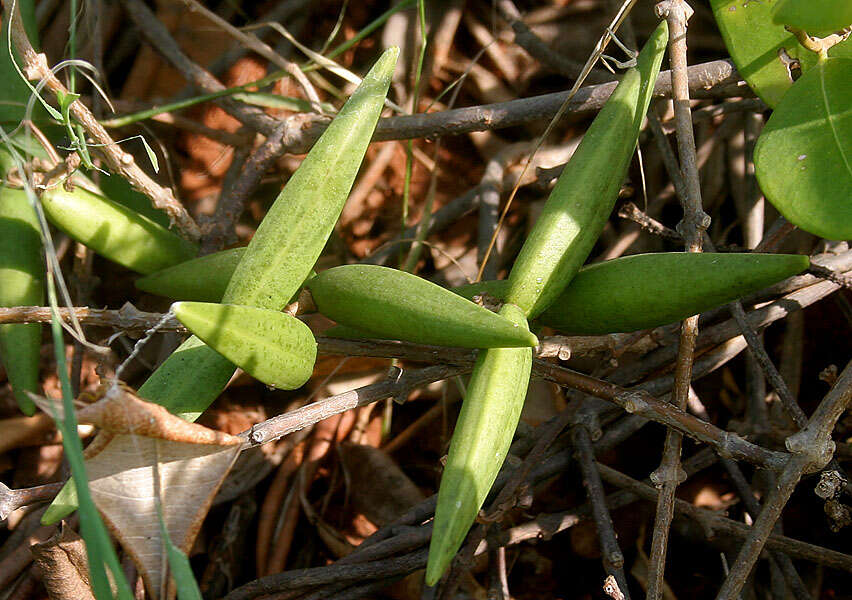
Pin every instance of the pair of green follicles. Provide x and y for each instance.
(621, 295)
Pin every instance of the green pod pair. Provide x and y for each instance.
(580, 204)
(559, 243)
(484, 431)
(115, 231)
(195, 374)
(388, 303)
(21, 284)
(271, 346)
(649, 290)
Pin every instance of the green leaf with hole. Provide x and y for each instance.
(273, 347)
(762, 49)
(803, 158)
(817, 17)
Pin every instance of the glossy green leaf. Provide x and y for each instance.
(803, 158)
(648, 290)
(817, 17)
(762, 49)
(398, 305)
(21, 284)
(481, 440)
(580, 204)
(273, 347)
(114, 231)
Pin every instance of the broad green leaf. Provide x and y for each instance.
(203, 279)
(803, 158)
(271, 346)
(817, 17)
(761, 48)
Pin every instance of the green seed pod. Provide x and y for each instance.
(271, 346)
(481, 440)
(398, 305)
(582, 200)
(202, 279)
(296, 228)
(114, 231)
(21, 284)
(195, 374)
(648, 290)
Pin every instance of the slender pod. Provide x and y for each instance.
(563, 236)
(481, 440)
(294, 231)
(580, 204)
(195, 374)
(115, 231)
(394, 304)
(21, 284)
(648, 290)
(202, 279)
(271, 346)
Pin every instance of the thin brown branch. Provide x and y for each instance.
(36, 68)
(611, 555)
(395, 387)
(812, 449)
(263, 49)
(695, 221)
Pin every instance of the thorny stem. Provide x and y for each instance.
(121, 162)
(695, 221)
(812, 448)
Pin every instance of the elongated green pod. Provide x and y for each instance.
(580, 204)
(395, 304)
(648, 290)
(271, 346)
(296, 228)
(202, 279)
(195, 374)
(21, 284)
(481, 440)
(115, 231)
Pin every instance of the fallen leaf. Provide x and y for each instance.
(154, 458)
